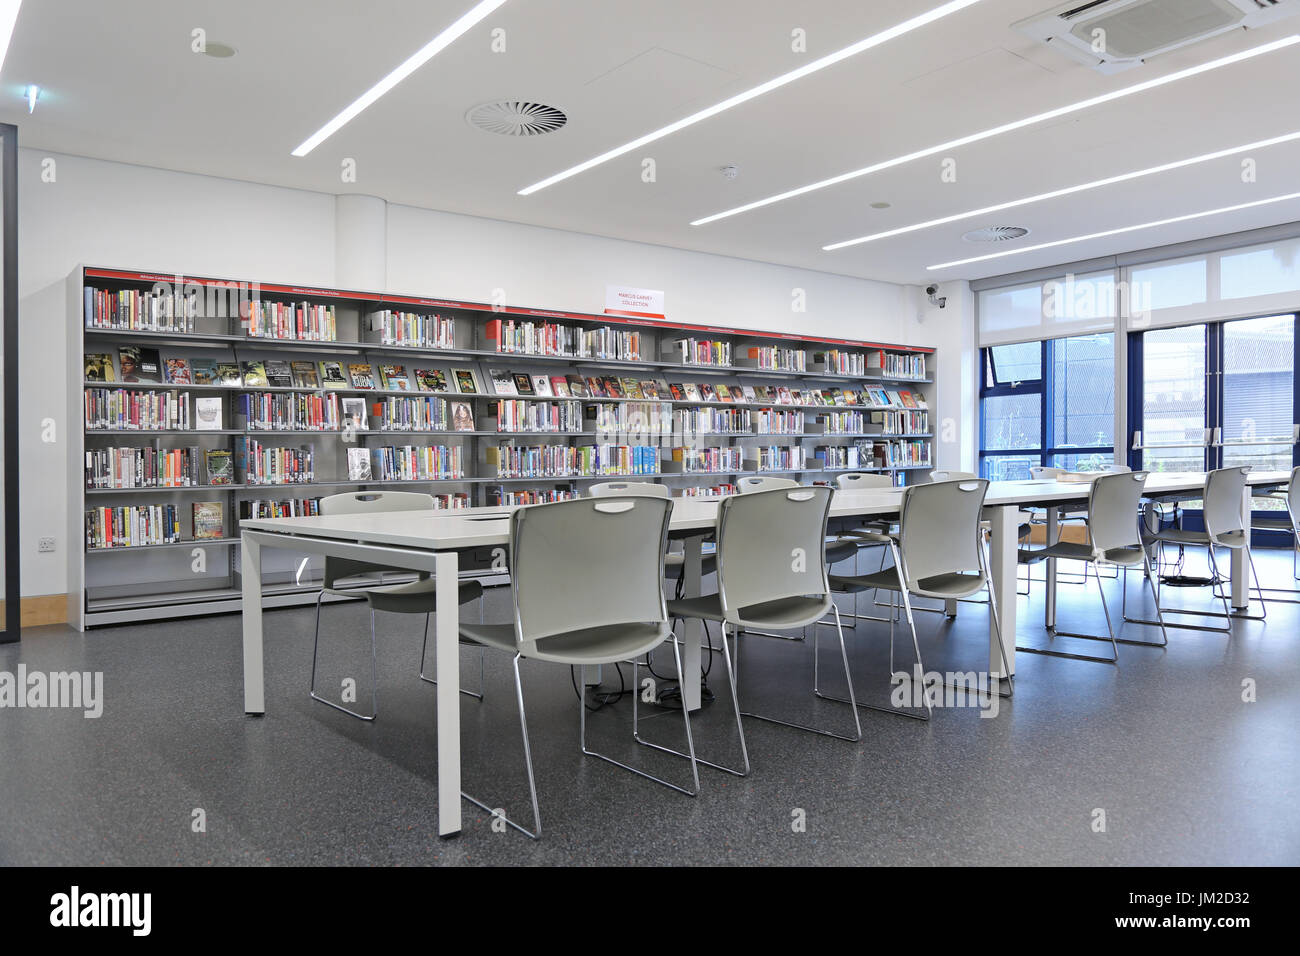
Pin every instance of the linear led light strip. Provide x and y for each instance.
(1067, 191)
(8, 17)
(1008, 127)
(907, 26)
(422, 56)
(1116, 232)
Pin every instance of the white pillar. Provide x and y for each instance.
(361, 243)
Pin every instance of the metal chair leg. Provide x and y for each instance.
(1056, 632)
(996, 621)
(374, 671)
(536, 833)
(1161, 610)
(482, 651)
(855, 702)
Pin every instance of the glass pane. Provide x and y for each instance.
(1006, 312)
(1082, 461)
(1167, 286)
(1264, 271)
(1012, 422)
(1173, 399)
(1008, 467)
(1076, 298)
(1258, 392)
(1083, 391)
(1017, 363)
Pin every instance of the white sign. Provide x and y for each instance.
(644, 303)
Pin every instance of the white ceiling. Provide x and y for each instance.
(122, 83)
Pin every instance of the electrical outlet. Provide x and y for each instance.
(45, 544)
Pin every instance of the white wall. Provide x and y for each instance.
(112, 214)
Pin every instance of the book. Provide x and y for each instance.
(221, 469)
(724, 393)
(429, 379)
(707, 394)
(677, 392)
(177, 371)
(541, 385)
(209, 520)
(207, 413)
(99, 367)
(354, 414)
(331, 375)
(595, 389)
(631, 388)
(361, 375)
(612, 387)
(304, 375)
(466, 381)
(137, 364)
(661, 386)
(783, 396)
(394, 378)
(523, 384)
(764, 395)
(560, 386)
(747, 394)
(650, 390)
(462, 416)
(577, 387)
(692, 392)
(503, 383)
(255, 374)
(358, 464)
(279, 374)
(204, 372)
(909, 401)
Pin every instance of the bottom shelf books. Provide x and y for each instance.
(500, 497)
(133, 526)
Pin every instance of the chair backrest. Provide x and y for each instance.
(857, 479)
(1222, 500)
(1113, 505)
(1293, 497)
(1117, 469)
(589, 562)
(771, 545)
(1045, 471)
(939, 530)
(952, 476)
(647, 489)
(751, 483)
(366, 502)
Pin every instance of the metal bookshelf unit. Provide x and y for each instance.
(804, 438)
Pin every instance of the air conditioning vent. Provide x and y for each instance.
(1115, 35)
(516, 118)
(996, 234)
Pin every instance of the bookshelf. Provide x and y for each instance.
(709, 404)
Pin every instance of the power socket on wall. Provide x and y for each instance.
(44, 544)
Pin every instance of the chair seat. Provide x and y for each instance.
(1271, 524)
(940, 585)
(1074, 551)
(784, 614)
(1229, 539)
(592, 645)
(418, 597)
(842, 549)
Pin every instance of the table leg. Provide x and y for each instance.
(1241, 560)
(1053, 536)
(251, 573)
(1002, 559)
(447, 650)
(692, 627)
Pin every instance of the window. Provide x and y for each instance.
(1258, 392)
(1048, 403)
(1173, 399)
(1261, 271)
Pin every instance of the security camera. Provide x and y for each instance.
(935, 298)
(932, 290)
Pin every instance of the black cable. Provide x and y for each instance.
(604, 700)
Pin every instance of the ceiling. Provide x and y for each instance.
(122, 83)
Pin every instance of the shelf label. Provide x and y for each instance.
(641, 303)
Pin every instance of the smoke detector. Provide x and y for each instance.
(730, 171)
(1115, 35)
(996, 234)
(516, 118)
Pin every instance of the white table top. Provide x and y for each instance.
(489, 527)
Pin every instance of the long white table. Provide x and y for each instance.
(432, 542)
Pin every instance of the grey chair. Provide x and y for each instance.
(415, 597)
(587, 589)
(1225, 527)
(1290, 498)
(771, 574)
(673, 559)
(851, 544)
(1114, 538)
(938, 553)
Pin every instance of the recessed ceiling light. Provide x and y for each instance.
(408, 66)
(220, 51)
(1007, 128)
(1067, 191)
(1116, 232)
(880, 205)
(8, 16)
(907, 26)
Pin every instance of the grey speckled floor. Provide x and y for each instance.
(1186, 772)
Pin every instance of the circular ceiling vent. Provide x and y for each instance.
(996, 234)
(516, 118)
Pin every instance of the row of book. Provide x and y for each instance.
(778, 358)
(840, 362)
(709, 460)
(406, 463)
(145, 467)
(896, 364)
(267, 465)
(701, 491)
(565, 461)
(271, 508)
(692, 351)
(120, 409)
(400, 413)
(291, 411)
(845, 456)
(528, 337)
(778, 457)
(902, 422)
(516, 416)
(712, 421)
(133, 309)
(503, 497)
(298, 321)
(844, 423)
(410, 330)
(632, 418)
(133, 526)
